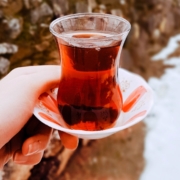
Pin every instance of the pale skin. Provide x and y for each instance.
(23, 138)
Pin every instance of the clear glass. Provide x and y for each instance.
(90, 44)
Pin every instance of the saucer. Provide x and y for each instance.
(137, 102)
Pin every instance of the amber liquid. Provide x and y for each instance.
(89, 96)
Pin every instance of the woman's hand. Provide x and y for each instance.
(22, 137)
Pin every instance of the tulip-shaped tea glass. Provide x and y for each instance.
(89, 95)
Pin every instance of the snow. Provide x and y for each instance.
(1, 175)
(172, 45)
(162, 141)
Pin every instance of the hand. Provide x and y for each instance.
(22, 137)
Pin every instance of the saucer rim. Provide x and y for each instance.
(105, 131)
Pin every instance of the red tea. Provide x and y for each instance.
(89, 96)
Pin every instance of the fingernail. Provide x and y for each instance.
(19, 158)
(34, 148)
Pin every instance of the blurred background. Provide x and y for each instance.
(148, 150)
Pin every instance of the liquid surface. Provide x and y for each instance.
(89, 96)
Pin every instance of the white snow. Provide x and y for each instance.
(162, 141)
(1, 175)
(172, 45)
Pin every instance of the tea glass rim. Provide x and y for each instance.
(59, 35)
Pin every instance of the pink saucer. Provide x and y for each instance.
(137, 102)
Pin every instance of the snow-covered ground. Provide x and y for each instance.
(162, 142)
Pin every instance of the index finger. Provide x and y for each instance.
(29, 70)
